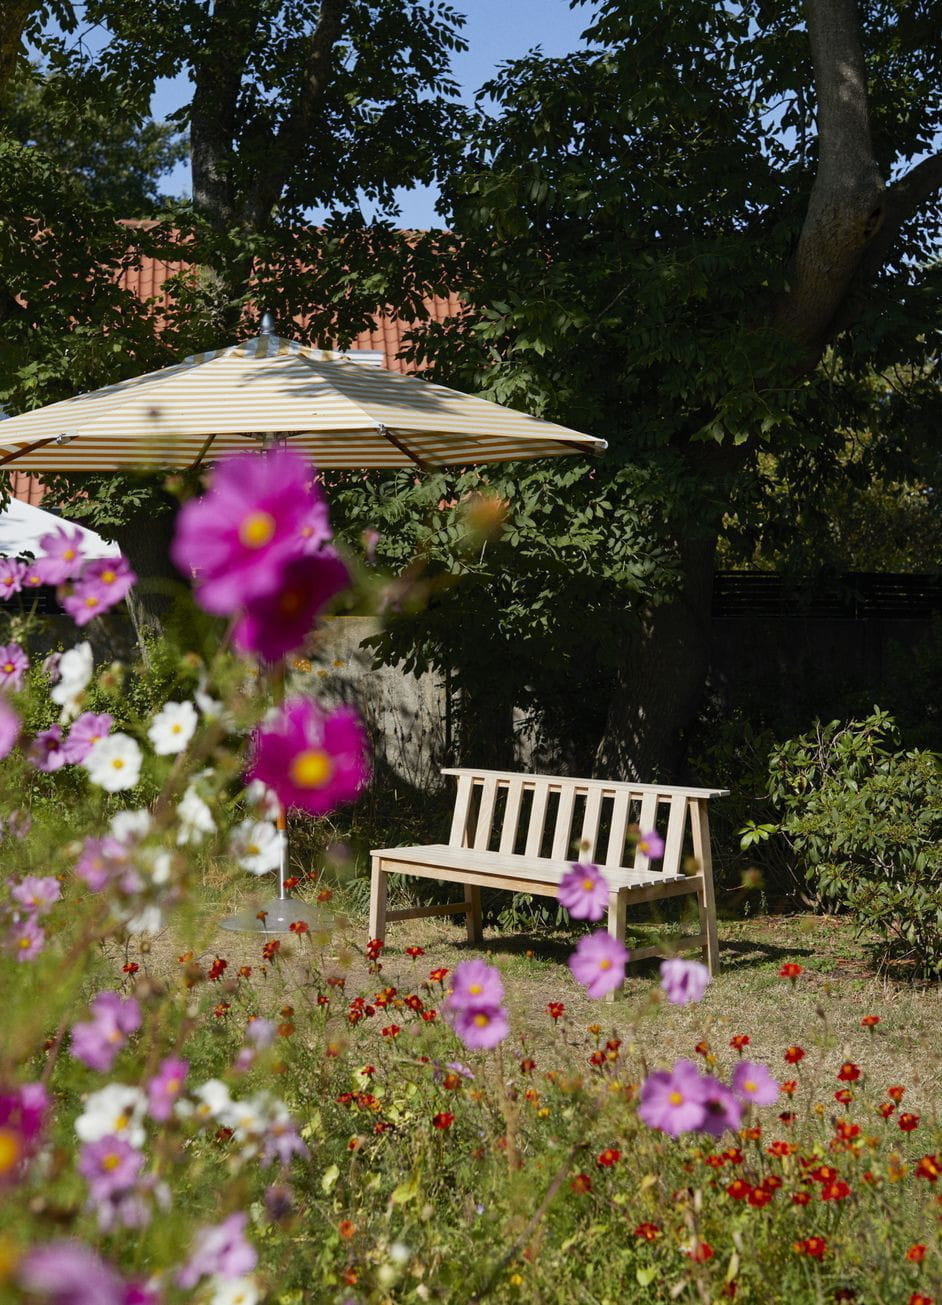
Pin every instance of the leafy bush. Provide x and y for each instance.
(866, 822)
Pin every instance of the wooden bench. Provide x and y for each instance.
(523, 832)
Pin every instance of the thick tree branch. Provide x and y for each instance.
(13, 17)
(902, 201)
(845, 209)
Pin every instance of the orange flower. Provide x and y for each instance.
(929, 1168)
(759, 1196)
(916, 1253)
(896, 1093)
(299, 926)
(794, 1054)
(648, 1232)
(846, 1131)
(801, 1198)
(751, 1134)
(702, 1048)
(886, 1109)
(430, 1016)
(849, 1072)
(438, 976)
(391, 1031)
(908, 1122)
(346, 1229)
(610, 1156)
(844, 1096)
(789, 1087)
(739, 1189)
(917, 1298)
(350, 1276)
(870, 1021)
(739, 1041)
(790, 970)
(781, 1149)
(836, 1191)
(528, 1065)
(581, 1184)
(415, 952)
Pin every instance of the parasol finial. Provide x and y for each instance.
(268, 324)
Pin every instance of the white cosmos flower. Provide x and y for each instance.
(149, 920)
(115, 1110)
(195, 818)
(75, 671)
(128, 826)
(114, 763)
(256, 845)
(172, 728)
(233, 1291)
(212, 1099)
(259, 795)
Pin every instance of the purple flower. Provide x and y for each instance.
(753, 1083)
(221, 1249)
(61, 556)
(722, 1109)
(102, 860)
(282, 1142)
(13, 665)
(674, 1102)
(315, 530)
(651, 845)
(598, 963)
(102, 584)
(36, 892)
(238, 537)
(46, 752)
(311, 760)
(26, 940)
(9, 727)
(278, 622)
(110, 1166)
(165, 1087)
(11, 576)
(474, 983)
(261, 1031)
(479, 1027)
(88, 730)
(684, 981)
(96, 1042)
(584, 892)
(31, 578)
(70, 1273)
(22, 1118)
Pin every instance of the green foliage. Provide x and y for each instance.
(866, 822)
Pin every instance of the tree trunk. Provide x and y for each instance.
(145, 541)
(661, 681)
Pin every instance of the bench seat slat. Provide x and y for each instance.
(510, 867)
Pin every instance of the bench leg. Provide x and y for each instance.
(473, 919)
(706, 901)
(617, 923)
(378, 893)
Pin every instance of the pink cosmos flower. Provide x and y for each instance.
(315, 529)
(261, 1032)
(110, 1166)
(102, 584)
(598, 963)
(278, 622)
(722, 1110)
(36, 892)
(220, 1250)
(753, 1083)
(165, 1087)
(70, 1273)
(13, 666)
(46, 752)
(102, 860)
(479, 1027)
(31, 578)
(96, 1042)
(11, 576)
(88, 730)
(282, 1141)
(673, 1101)
(26, 940)
(22, 1119)
(310, 759)
(61, 557)
(9, 728)
(683, 981)
(651, 845)
(584, 892)
(474, 983)
(238, 536)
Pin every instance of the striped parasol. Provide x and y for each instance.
(339, 412)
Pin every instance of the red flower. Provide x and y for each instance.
(733, 1155)
(132, 967)
(801, 1198)
(292, 882)
(391, 1031)
(844, 1096)
(759, 1196)
(438, 976)
(444, 1119)
(415, 1002)
(870, 1021)
(752, 1133)
(324, 895)
(815, 1247)
(739, 1041)
(337, 981)
(556, 1009)
(929, 1168)
(788, 1117)
(849, 1072)
(608, 1157)
(789, 1087)
(528, 1065)
(739, 1189)
(836, 1191)
(217, 969)
(790, 970)
(429, 1016)
(916, 1253)
(794, 1054)
(824, 1174)
(781, 1149)
(271, 949)
(886, 1109)
(415, 952)
(597, 1058)
(648, 1232)
(373, 948)
(700, 1252)
(581, 1184)
(846, 1131)
(917, 1298)
(346, 1229)
(702, 1048)
(221, 1009)
(772, 1182)
(896, 1093)
(908, 1122)
(299, 926)
(845, 1294)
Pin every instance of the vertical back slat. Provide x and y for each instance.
(537, 816)
(616, 834)
(674, 842)
(590, 823)
(508, 833)
(563, 829)
(459, 821)
(646, 823)
(482, 830)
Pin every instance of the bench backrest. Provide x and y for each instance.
(572, 819)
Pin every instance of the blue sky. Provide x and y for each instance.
(496, 30)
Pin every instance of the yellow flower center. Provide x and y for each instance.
(91, 601)
(253, 849)
(110, 1162)
(475, 989)
(481, 1020)
(605, 964)
(9, 667)
(24, 944)
(172, 1085)
(122, 1121)
(676, 1099)
(588, 884)
(257, 529)
(108, 577)
(118, 763)
(176, 729)
(7, 579)
(749, 1086)
(69, 555)
(311, 769)
(11, 1150)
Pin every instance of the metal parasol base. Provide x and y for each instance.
(279, 914)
